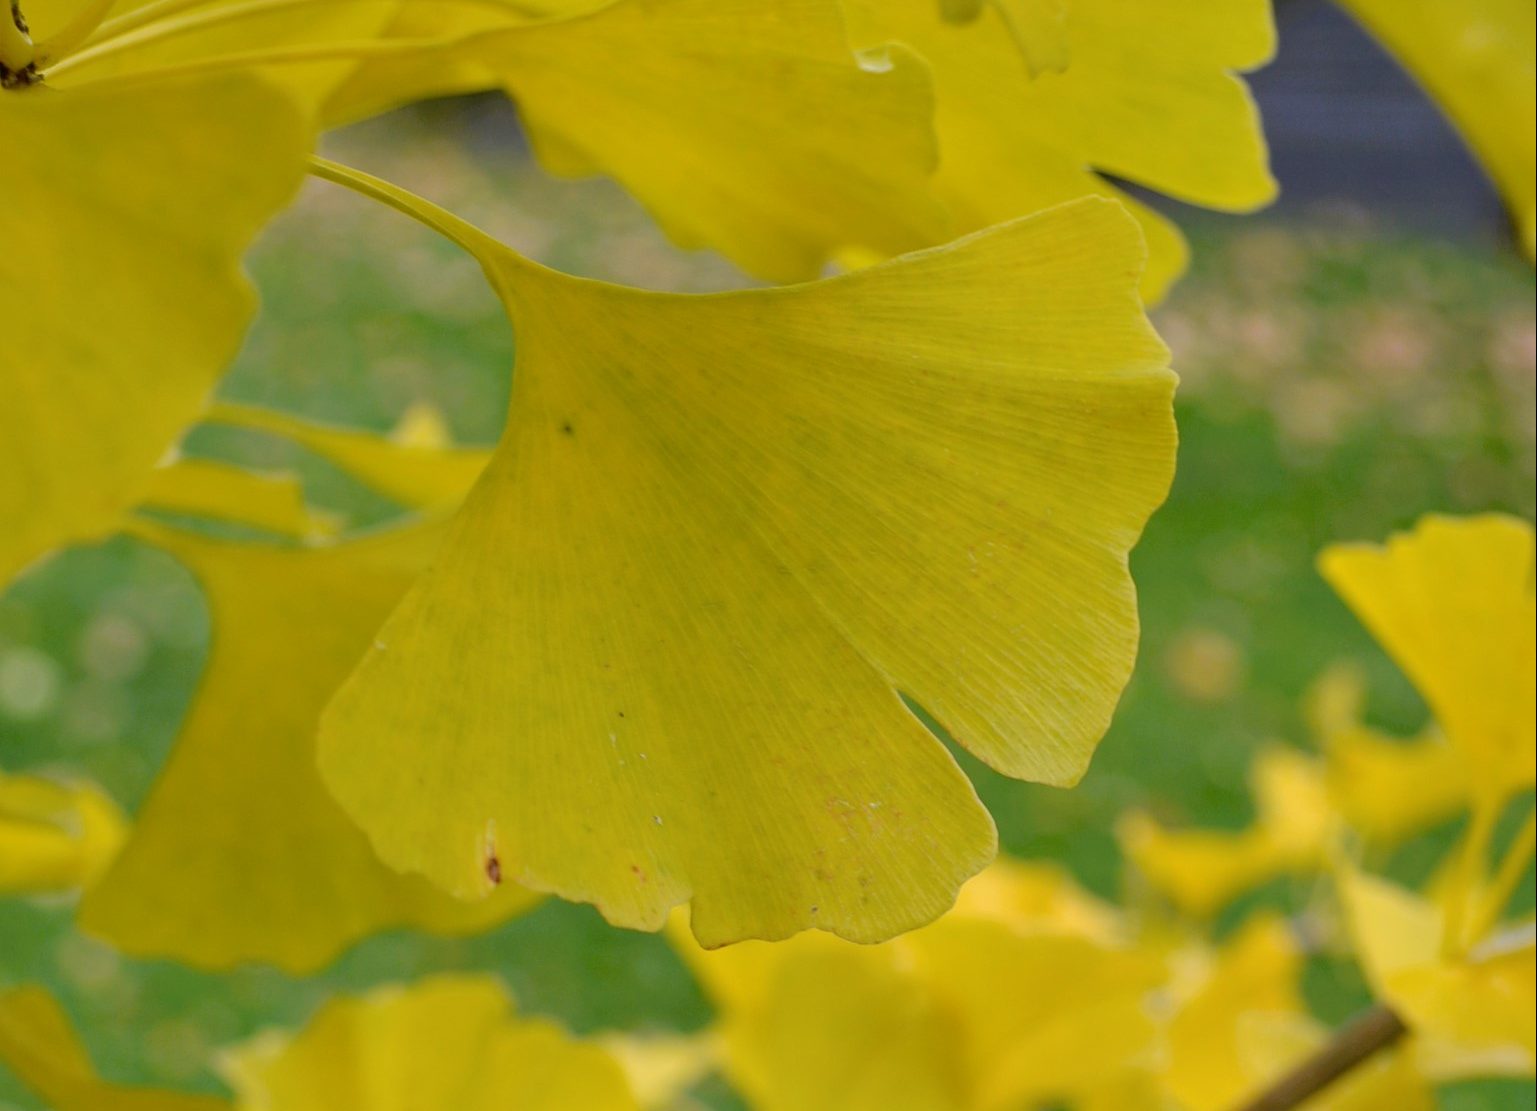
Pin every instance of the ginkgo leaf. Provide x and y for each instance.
(658, 656)
(1202, 870)
(1480, 1003)
(210, 489)
(39, 1046)
(423, 473)
(1389, 789)
(744, 125)
(1452, 603)
(127, 211)
(1257, 973)
(1149, 93)
(976, 1011)
(54, 837)
(1477, 58)
(446, 1042)
(239, 853)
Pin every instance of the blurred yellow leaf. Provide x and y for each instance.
(1147, 93)
(239, 853)
(1201, 871)
(658, 656)
(1452, 603)
(38, 1045)
(447, 1042)
(1477, 58)
(1480, 1005)
(416, 465)
(54, 837)
(1389, 789)
(208, 488)
(126, 214)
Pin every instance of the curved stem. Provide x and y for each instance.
(73, 33)
(1472, 860)
(16, 49)
(163, 10)
(424, 212)
(1356, 1043)
(292, 55)
(1506, 878)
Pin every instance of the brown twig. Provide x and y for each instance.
(1357, 1042)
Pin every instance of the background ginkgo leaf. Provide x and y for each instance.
(658, 656)
(447, 1042)
(1148, 93)
(54, 837)
(239, 854)
(1478, 59)
(744, 125)
(126, 215)
(39, 1046)
(1452, 603)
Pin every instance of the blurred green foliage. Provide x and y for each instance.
(1338, 384)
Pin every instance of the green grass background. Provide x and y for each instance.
(1340, 380)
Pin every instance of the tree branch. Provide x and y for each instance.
(1357, 1042)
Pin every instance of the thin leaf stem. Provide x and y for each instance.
(162, 12)
(292, 55)
(1506, 878)
(1472, 859)
(1353, 1045)
(16, 49)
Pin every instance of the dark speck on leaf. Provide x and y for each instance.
(494, 870)
(567, 429)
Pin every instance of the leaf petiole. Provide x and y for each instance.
(16, 50)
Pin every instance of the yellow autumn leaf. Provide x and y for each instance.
(54, 837)
(979, 1010)
(748, 126)
(38, 1045)
(1477, 1002)
(128, 210)
(1452, 603)
(1256, 974)
(657, 658)
(239, 853)
(1389, 789)
(415, 465)
(1202, 870)
(447, 1042)
(1148, 93)
(1477, 58)
(214, 490)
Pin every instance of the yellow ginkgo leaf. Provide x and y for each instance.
(1255, 975)
(54, 837)
(1389, 789)
(239, 853)
(1452, 602)
(658, 657)
(208, 488)
(1033, 895)
(448, 1042)
(38, 1045)
(744, 125)
(1480, 1004)
(1148, 93)
(415, 466)
(1478, 60)
(126, 213)
(1202, 870)
(976, 1011)
(1042, 1017)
